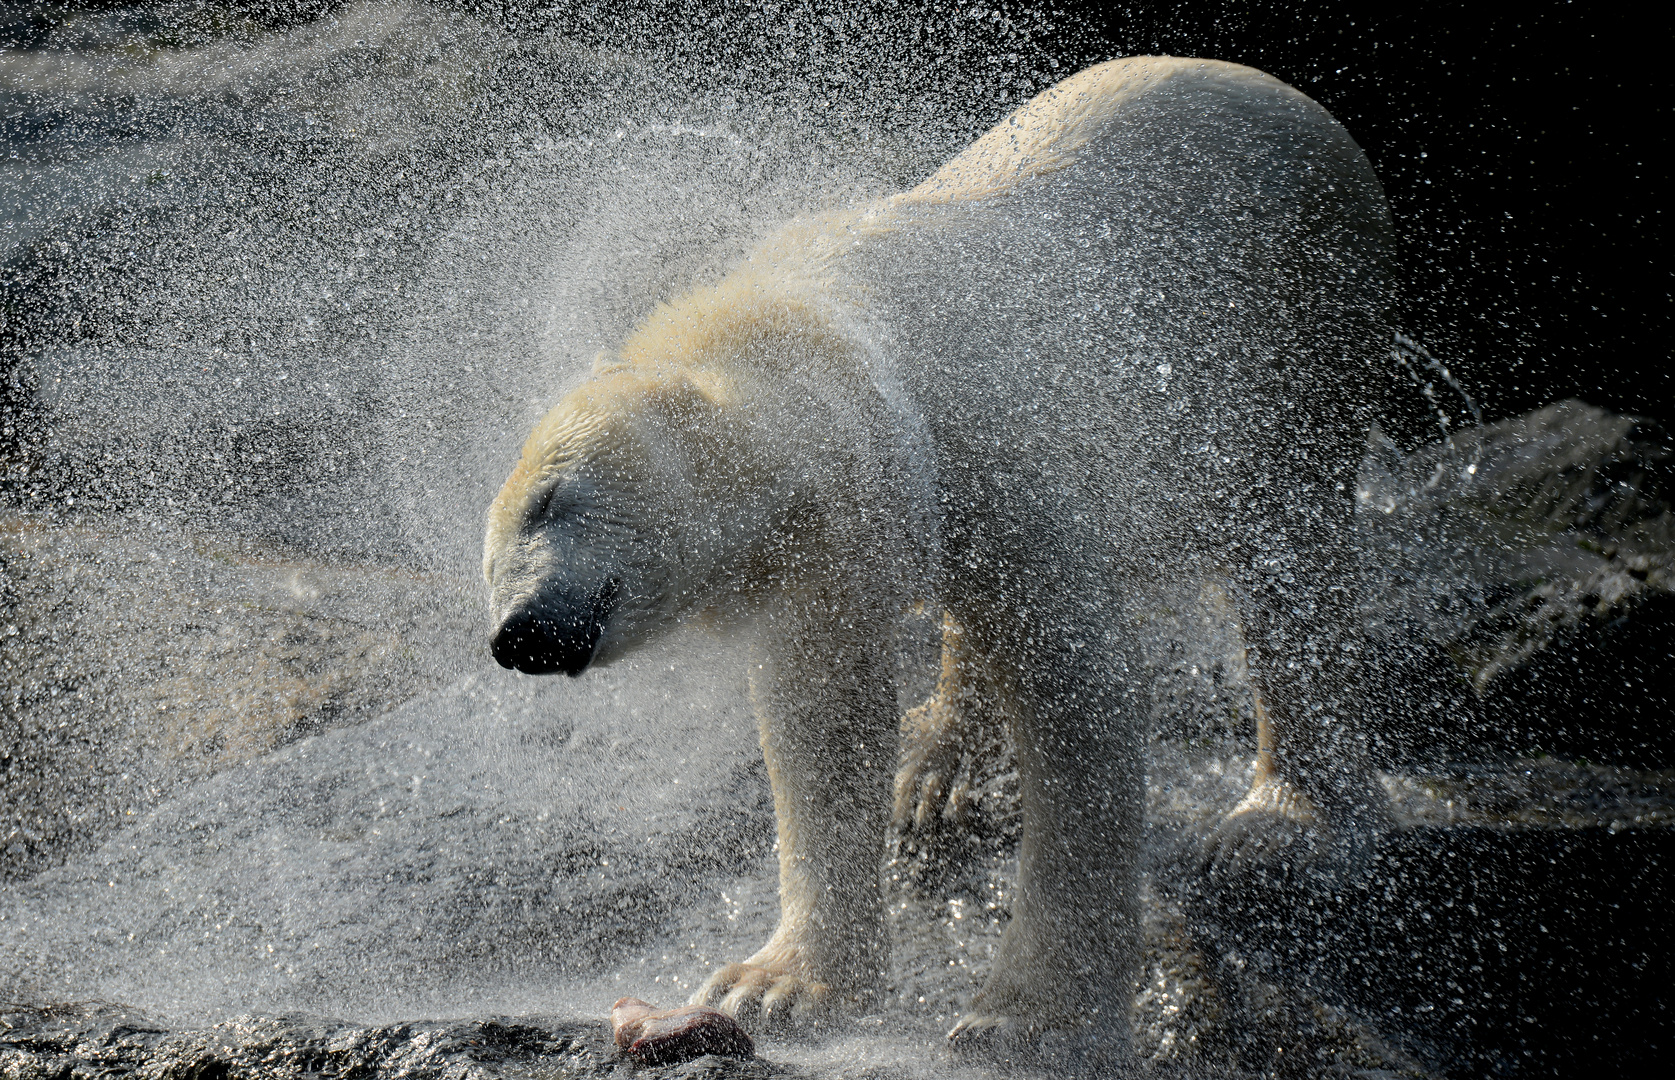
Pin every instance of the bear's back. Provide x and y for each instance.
(1156, 262)
(1124, 112)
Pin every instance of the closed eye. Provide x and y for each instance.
(571, 498)
(560, 490)
(540, 508)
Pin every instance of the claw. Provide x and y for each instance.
(985, 1033)
(762, 998)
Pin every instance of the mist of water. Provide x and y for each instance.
(304, 292)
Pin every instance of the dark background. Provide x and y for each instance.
(1526, 159)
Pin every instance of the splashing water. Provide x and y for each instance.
(292, 296)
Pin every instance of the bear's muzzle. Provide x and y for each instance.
(553, 632)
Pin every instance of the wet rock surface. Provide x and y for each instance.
(1483, 951)
(1519, 935)
(499, 833)
(136, 654)
(88, 1039)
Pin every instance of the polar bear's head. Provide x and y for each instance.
(598, 536)
(734, 447)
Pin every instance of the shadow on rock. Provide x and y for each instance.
(1490, 950)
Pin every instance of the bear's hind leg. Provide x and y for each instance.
(1313, 792)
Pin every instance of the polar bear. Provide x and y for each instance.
(1131, 334)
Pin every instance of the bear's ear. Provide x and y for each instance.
(607, 362)
(688, 398)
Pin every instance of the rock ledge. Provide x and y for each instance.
(87, 1039)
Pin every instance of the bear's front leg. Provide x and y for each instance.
(1063, 979)
(825, 701)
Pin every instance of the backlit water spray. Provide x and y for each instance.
(284, 296)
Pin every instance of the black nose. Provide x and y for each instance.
(553, 633)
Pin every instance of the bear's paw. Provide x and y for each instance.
(1275, 824)
(766, 998)
(1074, 1048)
(935, 781)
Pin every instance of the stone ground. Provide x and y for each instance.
(89, 1039)
(135, 655)
(1512, 924)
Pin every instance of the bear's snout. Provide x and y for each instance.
(553, 633)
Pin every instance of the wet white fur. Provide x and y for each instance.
(1118, 339)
